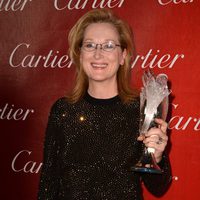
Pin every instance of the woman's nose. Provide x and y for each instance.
(98, 52)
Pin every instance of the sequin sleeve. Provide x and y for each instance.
(158, 184)
(49, 178)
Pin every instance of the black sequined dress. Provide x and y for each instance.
(89, 149)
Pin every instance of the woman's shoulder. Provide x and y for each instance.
(59, 103)
(59, 110)
(59, 106)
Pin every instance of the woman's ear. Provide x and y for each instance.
(124, 54)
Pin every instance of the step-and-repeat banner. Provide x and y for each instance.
(35, 70)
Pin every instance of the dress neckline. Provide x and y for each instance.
(98, 101)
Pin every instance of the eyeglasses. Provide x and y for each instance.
(107, 46)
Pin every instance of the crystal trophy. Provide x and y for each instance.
(153, 104)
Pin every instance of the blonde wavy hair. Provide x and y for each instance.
(75, 39)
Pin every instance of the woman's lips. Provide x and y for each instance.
(99, 65)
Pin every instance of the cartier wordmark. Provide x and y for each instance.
(53, 59)
(13, 5)
(81, 4)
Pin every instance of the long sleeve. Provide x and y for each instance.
(158, 184)
(89, 148)
(49, 179)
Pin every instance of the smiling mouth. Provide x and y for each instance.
(99, 65)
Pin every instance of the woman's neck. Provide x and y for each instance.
(102, 90)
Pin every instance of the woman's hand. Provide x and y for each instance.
(156, 138)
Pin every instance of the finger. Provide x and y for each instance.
(157, 139)
(155, 131)
(157, 147)
(162, 124)
(141, 138)
(152, 138)
(156, 142)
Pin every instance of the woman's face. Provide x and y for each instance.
(100, 65)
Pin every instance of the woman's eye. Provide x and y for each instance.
(108, 46)
(89, 45)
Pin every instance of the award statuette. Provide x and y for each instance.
(153, 104)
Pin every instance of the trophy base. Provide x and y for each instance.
(147, 164)
(146, 170)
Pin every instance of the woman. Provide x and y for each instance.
(92, 135)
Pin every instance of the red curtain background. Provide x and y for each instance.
(35, 70)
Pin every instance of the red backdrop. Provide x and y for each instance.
(35, 70)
